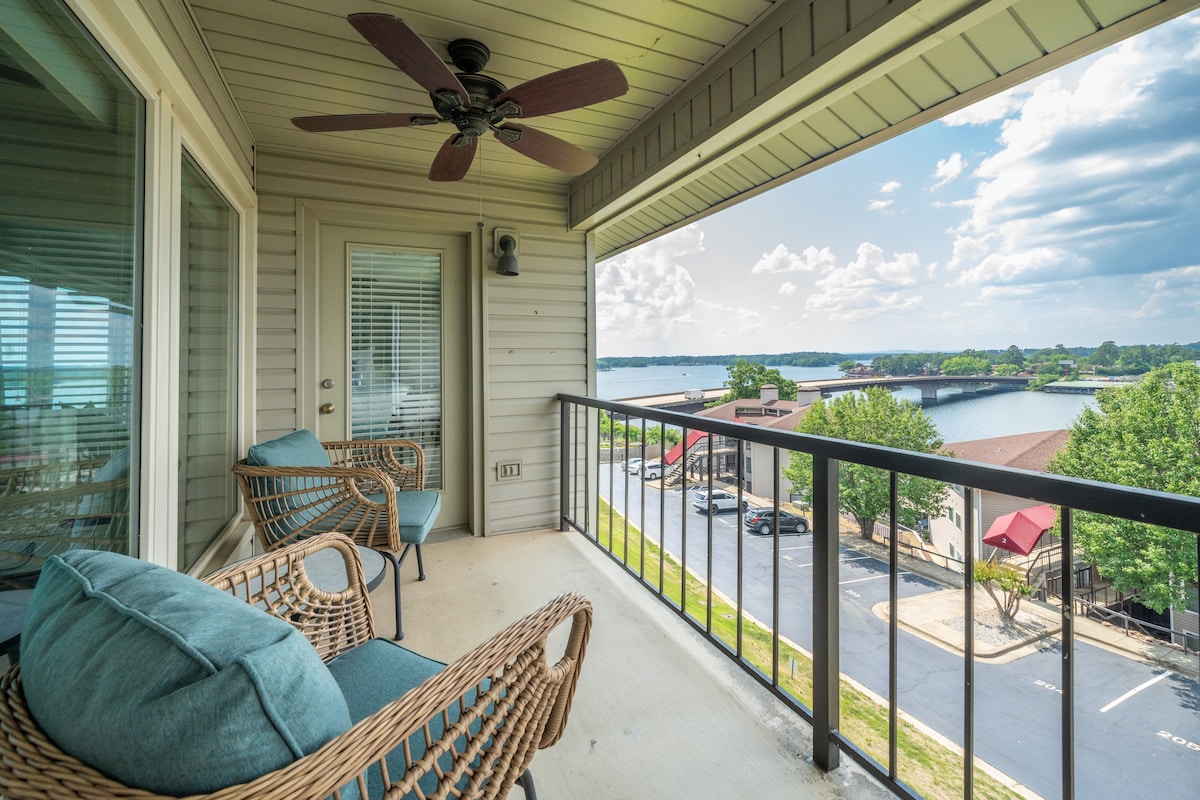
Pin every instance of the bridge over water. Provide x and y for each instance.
(927, 384)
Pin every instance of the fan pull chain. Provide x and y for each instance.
(480, 161)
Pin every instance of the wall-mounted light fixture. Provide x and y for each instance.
(508, 244)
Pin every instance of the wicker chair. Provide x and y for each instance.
(476, 724)
(64, 505)
(355, 493)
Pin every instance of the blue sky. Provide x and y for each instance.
(1066, 210)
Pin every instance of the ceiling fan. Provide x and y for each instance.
(476, 103)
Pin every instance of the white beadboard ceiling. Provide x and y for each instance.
(727, 98)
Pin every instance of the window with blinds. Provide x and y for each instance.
(71, 168)
(396, 349)
(208, 361)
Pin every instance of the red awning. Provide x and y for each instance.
(677, 451)
(1019, 531)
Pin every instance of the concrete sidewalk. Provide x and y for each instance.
(937, 617)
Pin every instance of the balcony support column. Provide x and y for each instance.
(826, 661)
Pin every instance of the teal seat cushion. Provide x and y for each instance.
(373, 675)
(417, 510)
(165, 683)
(305, 499)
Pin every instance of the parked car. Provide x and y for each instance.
(720, 501)
(762, 521)
(631, 466)
(651, 470)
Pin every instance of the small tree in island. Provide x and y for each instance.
(1004, 584)
(1145, 434)
(873, 417)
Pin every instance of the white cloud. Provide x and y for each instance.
(867, 286)
(991, 109)
(645, 295)
(884, 204)
(787, 288)
(948, 169)
(783, 260)
(1097, 174)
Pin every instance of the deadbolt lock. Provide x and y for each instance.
(327, 383)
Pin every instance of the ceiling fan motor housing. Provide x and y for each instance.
(480, 116)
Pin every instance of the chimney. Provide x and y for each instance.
(769, 393)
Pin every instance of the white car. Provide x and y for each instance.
(631, 466)
(718, 502)
(651, 470)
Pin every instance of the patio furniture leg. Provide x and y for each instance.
(420, 561)
(526, 784)
(390, 556)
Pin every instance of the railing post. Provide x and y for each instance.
(826, 646)
(564, 464)
(1067, 598)
(969, 496)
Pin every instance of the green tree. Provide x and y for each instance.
(1105, 355)
(966, 365)
(873, 417)
(1013, 356)
(847, 365)
(746, 378)
(1007, 370)
(1146, 435)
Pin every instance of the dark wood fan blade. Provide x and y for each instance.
(573, 87)
(362, 122)
(547, 149)
(403, 47)
(454, 159)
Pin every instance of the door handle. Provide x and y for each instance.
(327, 408)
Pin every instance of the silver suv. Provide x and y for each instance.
(718, 502)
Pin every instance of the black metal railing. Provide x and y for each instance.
(609, 507)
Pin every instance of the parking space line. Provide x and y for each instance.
(872, 578)
(1134, 691)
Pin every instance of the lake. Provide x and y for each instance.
(959, 418)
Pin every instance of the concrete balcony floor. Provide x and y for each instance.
(658, 712)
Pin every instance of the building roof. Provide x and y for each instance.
(1030, 451)
(783, 415)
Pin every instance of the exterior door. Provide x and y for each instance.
(392, 358)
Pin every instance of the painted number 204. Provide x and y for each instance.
(1179, 740)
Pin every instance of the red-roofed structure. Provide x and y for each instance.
(676, 452)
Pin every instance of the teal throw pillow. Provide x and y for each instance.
(165, 683)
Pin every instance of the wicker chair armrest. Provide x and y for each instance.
(278, 583)
(319, 500)
(509, 702)
(402, 459)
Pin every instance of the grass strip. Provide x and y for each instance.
(924, 762)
